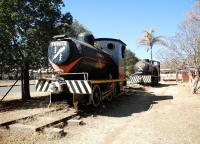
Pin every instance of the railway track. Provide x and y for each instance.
(46, 121)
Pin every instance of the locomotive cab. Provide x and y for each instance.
(116, 49)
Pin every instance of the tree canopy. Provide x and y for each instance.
(184, 47)
(130, 61)
(28, 26)
(26, 29)
(149, 40)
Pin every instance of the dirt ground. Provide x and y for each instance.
(167, 114)
(4, 83)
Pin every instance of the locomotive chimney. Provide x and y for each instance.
(87, 38)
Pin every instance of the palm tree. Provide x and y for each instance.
(150, 40)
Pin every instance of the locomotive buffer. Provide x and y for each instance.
(87, 70)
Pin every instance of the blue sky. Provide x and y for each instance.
(127, 19)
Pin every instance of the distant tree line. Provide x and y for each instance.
(130, 61)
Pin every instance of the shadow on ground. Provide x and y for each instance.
(133, 100)
(125, 105)
(160, 85)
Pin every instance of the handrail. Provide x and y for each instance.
(84, 74)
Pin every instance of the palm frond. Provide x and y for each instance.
(159, 40)
(149, 40)
(144, 42)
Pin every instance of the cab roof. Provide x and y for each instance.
(110, 39)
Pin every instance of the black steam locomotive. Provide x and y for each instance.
(101, 60)
(76, 56)
(146, 72)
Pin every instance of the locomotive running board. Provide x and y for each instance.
(106, 81)
(74, 86)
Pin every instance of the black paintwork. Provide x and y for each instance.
(146, 67)
(98, 64)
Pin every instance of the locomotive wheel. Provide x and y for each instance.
(109, 98)
(96, 96)
(112, 86)
(114, 92)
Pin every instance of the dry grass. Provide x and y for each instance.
(18, 137)
(24, 137)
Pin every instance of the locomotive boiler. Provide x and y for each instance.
(77, 56)
(88, 68)
(147, 67)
